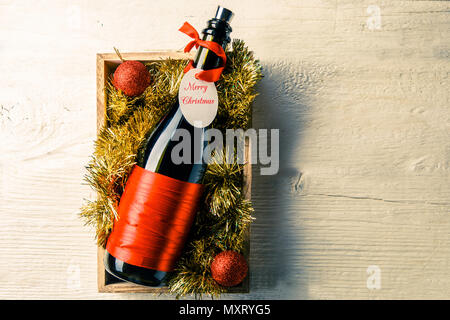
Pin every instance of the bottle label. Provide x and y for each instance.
(198, 99)
(155, 215)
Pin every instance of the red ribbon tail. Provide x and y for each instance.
(189, 66)
(212, 75)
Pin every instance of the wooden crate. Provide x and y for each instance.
(106, 64)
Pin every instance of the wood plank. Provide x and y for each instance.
(364, 143)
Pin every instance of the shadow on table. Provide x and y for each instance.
(277, 263)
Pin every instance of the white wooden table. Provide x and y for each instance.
(359, 90)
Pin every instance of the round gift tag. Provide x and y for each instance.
(198, 99)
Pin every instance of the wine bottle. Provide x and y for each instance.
(156, 156)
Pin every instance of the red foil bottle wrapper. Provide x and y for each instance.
(155, 215)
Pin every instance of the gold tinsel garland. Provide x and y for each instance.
(224, 217)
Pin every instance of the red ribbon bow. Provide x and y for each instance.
(207, 75)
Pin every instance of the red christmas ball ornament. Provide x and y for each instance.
(132, 77)
(229, 268)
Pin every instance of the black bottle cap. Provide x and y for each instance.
(224, 14)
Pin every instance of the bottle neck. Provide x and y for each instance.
(217, 31)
